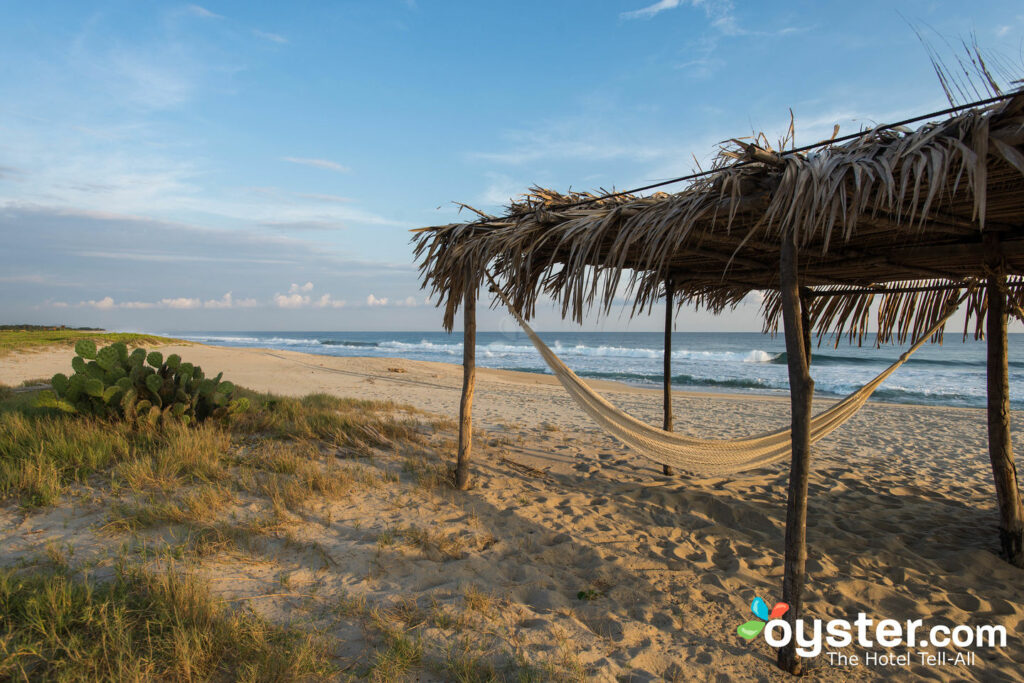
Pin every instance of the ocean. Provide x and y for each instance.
(952, 374)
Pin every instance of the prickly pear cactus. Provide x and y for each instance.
(141, 387)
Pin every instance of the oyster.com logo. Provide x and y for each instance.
(752, 629)
(873, 642)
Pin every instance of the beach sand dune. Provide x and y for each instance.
(576, 550)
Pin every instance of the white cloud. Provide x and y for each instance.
(719, 12)
(104, 304)
(203, 12)
(224, 302)
(651, 10)
(291, 300)
(501, 189)
(554, 143)
(332, 198)
(318, 163)
(371, 300)
(272, 37)
(327, 302)
(407, 301)
(298, 296)
(181, 302)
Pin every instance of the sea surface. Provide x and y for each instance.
(950, 374)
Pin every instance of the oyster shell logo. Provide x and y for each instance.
(752, 629)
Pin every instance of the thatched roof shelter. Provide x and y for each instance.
(894, 220)
(891, 210)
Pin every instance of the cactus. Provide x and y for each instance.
(76, 383)
(59, 382)
(86, 348)
(107, 357)
(140, 387)
(94, 387)
(153, 383)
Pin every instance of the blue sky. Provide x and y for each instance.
(244, 165)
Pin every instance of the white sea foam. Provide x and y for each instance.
(499, 350)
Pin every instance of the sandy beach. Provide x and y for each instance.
(580, 549)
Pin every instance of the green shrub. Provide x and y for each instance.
(140, 386)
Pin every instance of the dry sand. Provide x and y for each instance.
(902, 524)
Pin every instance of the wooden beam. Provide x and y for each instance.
(801, 391)
(850, 291)
(667, 423)
(1000, 449)
(887, 265)
(468, 381)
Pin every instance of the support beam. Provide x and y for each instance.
(1000, 449)
(667, 425)
(468, 380)
(882, 290)
(801, 390)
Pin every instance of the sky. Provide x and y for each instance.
(258, 166)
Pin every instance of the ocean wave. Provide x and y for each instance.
(498, 349)
(345, 342)
(829, 359)
(224, 339)
(892, 394)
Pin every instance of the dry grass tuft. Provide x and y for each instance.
(142, 626)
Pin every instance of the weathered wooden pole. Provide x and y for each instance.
(1000, 449)
(667, 424)
(468, 380)
(801, 391)
(806, 296)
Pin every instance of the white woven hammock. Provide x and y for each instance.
(709, 456)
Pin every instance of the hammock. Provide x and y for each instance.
(708, 456)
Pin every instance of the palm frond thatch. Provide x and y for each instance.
(901, 210)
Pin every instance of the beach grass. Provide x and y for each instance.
(242, 492)
(44, 452)
(141, 625)
(33, 340)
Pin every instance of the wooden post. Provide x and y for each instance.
(801, 391)
(806, 296)
(1000, 449)
(468, 380)
(667, 424)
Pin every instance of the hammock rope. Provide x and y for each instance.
(709, 456)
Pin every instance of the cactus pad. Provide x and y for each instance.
(86, 348)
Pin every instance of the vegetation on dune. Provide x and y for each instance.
(140, 386)
(246, 486)
(44, 451)
(141, 626)
(22, 339)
